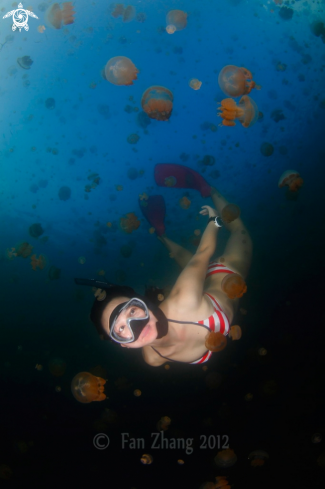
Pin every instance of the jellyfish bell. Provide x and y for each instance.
(157, 103)
(235, 333)
(25, 62)
(235, 81)
(86, 388)
(57, 366)
(146, 459)
(225, 458)
(55, 16)
(246, 111)
(258, 458)
(230, 213)
(177, 19)
(233, 285)
(292, 179)
(215, 342)
(195, 84)
(120, 71)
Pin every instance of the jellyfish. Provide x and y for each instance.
(54, 273)
(170, 181)
(258, 458)
(5, 472)
(267, 149)
(184, 203)
(50, 103)
(246, 111)
(55, 16)
(235, 333)
(129, 223)
(163, 423)
(120, 71)
(215, 341)
(81, 260)
(25, 62)
(24, 249)
(129, 13)
(262, 352)
(170, 29)
(177, 19)
(133, 139)
(316, 438)
(233, 285)
(36, 230)
(100, 294)
(37, 262)
(222, 483)
(86, 388)
(146, 459)
(57, 366)
(195, 84)
(137, 393)
(292, 179)
(118, 10)
(286, 13)
(225, 458)
(64, 193)
(157, 103)
(235, 81)
(230, 213)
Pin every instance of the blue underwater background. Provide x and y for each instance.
(64, 125)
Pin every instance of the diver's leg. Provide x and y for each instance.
(181, 255)
(238, 250)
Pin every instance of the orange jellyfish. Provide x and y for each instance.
(57, 366)
(229, 213)
(195, 84)
(177, 18)
(129, 223)
(184, 203)
(292, 179)
(163, 423)
(24, 249)
(235, 81)
(225, 458)
(246, 111)
(215, 341)
(157, 103)
(258, 458)
(233, 285)
(235, 332)
(146, 459)
(222, 483)
(86, 388)
(118, 10)
(55, 16)
(120, 71)
(37, 262)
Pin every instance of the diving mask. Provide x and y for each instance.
(128, 320)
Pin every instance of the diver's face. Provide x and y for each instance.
(147, 335)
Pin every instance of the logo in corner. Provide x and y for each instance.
(20, 18)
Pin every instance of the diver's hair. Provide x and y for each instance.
(114, 291)
(99, 306)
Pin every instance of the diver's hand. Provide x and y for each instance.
(207, 210)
